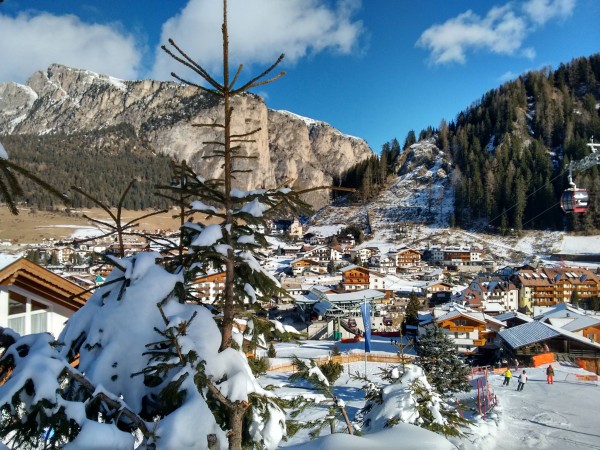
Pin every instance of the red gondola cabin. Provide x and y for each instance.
(574, 201)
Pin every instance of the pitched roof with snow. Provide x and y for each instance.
(532, 332)
(475, 315)
(514, 314)
(568, 317)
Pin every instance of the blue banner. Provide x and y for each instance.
(365, 309)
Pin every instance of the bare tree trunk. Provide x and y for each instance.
(236, 422)
(229, 305)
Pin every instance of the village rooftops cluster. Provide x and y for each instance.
(326, 278)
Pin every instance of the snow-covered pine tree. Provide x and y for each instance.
(134, 367)
(315, 377)
(407, 397)
(439, 358)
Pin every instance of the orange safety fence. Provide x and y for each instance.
(544, 358)
(586, 377)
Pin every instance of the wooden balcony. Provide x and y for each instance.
(478, 342)
(461, 329)
(544, 302)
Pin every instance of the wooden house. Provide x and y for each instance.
(35, 300)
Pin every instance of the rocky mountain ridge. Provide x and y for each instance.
(288, 148)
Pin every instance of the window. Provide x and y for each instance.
(26, 316)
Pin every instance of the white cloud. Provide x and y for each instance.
(500, 31)
(503, 30)
(541, 11)
(259, 30)
(30, 42)
(528, 52)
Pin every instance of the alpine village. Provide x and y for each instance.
(182, 267)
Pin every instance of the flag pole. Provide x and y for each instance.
(366, 316)
(365, 327)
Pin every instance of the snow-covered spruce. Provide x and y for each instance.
(408, 399)
(439, 359)
(147, 365)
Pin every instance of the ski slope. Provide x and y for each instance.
(560, 416)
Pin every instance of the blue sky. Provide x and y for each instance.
(372, 68)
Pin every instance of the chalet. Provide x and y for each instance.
(434, 287)
(290, 250)
(257, 227)
(455, 256)
(436, 255)
(322, 254)
(501, 293)
(472, 298)
(354, 278)
(299, 266)
(280, 226)
(405, 257)
(469, 330)
(383, 264)
(293, 288)
(35, 300)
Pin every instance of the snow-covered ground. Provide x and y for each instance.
(583, 245)
(562, 415)
(542, 416)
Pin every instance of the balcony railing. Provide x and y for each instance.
(461, 329)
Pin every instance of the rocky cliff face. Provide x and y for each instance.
(288, 148)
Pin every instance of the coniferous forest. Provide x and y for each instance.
(510, 151)
(101, 162)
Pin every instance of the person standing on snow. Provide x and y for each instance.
(522, 380)
(507, 377)
(550, 374)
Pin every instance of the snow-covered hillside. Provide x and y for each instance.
(416, 207)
